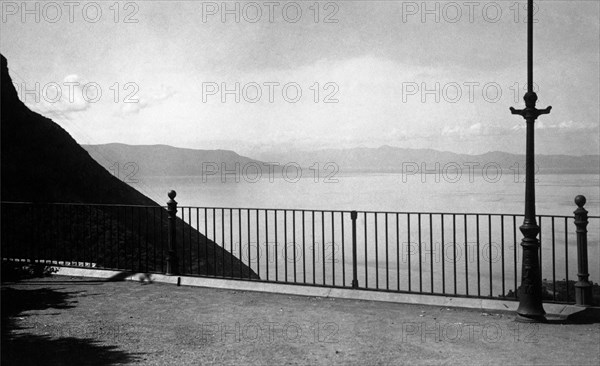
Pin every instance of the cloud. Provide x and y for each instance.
(61, 100)
(138, 103)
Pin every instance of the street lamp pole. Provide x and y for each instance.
(530, 293)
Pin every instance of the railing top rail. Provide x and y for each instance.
(79, 204)
(376, 212)
(296, 209)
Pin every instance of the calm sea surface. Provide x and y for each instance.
(382, 192)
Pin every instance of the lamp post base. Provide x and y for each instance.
(530, 318)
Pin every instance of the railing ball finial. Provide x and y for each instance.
(172, 194)
(580, 201)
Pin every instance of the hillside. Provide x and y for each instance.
(41, 163)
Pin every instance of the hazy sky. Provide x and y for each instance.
(379, 65)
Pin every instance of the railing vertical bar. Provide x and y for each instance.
(267, 242)
(132, 253)
(313, 248)
(155, 243)
(323, 244)
(553, 263)
(490, 252)
(343, 251)
(376, 254)
(420, 256)
(190, 251)
(62, 218)
(408, 247)
(190, 229)
(131, 258)
(294, 244)
(106, 227)
(147, 234)
(87, 249)
(387, 260)
(454, 250)
(41, 241)
(502, 256)
(40, 247)
(125, 241)
(34, 234)
(515, 255)
(249, 245)
(96, 228)
(223, 245)
(79, 235)
(69, 250)
(182, 255)
(43, 235)
(80, 242)
(231, 242)
(443, 244)
(162, 242)
(75, 244)
(541, 246)
(206, 263)
(258, 242)
(366, 251)
(11, 233)
(17, 235)
(466, 256)
(64, 234)
(332, 249)
(214, 240)
(303, 247)
(240, 244)
(118, 237)
(478, 255)
(198, 239)
(276, 252)
(285, 248)
(398, 251)
(567, 256)
(431, 249)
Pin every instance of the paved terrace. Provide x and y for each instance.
(66, 320)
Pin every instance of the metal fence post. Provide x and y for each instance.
(353, 216)
(583, 288)
(172, 261)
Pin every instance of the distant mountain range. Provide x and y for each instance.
(163, 160)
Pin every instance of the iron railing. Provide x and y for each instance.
(454, 254)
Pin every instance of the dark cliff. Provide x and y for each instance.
(41, 164)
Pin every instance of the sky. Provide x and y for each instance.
(279, 76)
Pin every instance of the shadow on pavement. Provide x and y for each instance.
(587, 316)
(19, 348)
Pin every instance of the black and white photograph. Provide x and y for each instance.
(309, 182)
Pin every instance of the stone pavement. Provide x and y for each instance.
(75, 320)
